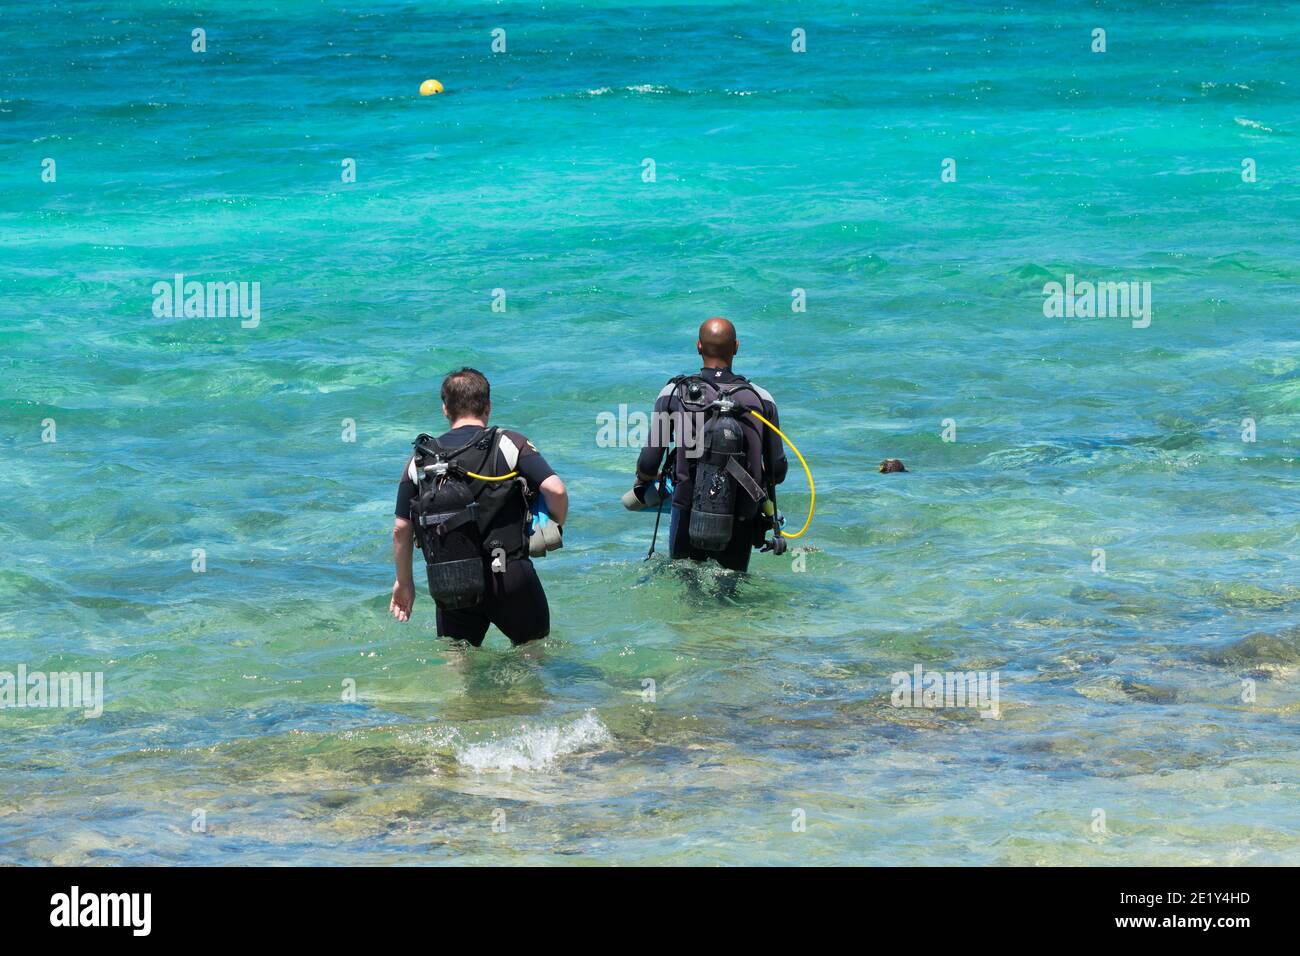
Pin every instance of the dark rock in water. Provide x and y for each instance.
(1149, 693)
(1282, 647)
(336, 799)
(890, 465)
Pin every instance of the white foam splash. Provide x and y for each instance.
(639, 88)
(1252, 124)
(534, 748)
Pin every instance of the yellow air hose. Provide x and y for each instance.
(812, 489)
(484, 477)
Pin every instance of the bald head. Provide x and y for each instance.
(717, 344)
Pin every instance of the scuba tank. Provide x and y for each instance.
(713, 504)
(720, 474)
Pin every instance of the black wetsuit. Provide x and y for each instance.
(764, 457)
(515, 601)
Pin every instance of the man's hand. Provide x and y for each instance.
(403, 598)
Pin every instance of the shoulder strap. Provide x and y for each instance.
(743, 384)
(425, 446)
(482, 437)
(431, 445)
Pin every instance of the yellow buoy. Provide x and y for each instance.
(429, 87)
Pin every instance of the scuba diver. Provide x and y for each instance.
(727, 461)
(479, 501)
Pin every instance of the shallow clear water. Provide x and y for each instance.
(1120, 692)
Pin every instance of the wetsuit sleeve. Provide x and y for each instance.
(651, 458)
(531, 465)
(773, 447)
(406, 491)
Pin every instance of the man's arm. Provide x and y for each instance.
(541, 476)
(404, 587)
(650, 462)
(774, 448)
(557, 498)
(403, 548)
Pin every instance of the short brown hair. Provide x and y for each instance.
(466, 393)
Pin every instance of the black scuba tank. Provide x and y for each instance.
(713, 504)
(446, 516)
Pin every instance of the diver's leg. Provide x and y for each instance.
(518, 603)
(465, 624)
(677, 544)
(735, 556)
(679, 539)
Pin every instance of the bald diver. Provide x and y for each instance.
(710, 443)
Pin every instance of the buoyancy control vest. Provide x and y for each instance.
(466, 527)
(718, 460)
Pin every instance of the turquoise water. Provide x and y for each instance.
(1119, 691)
